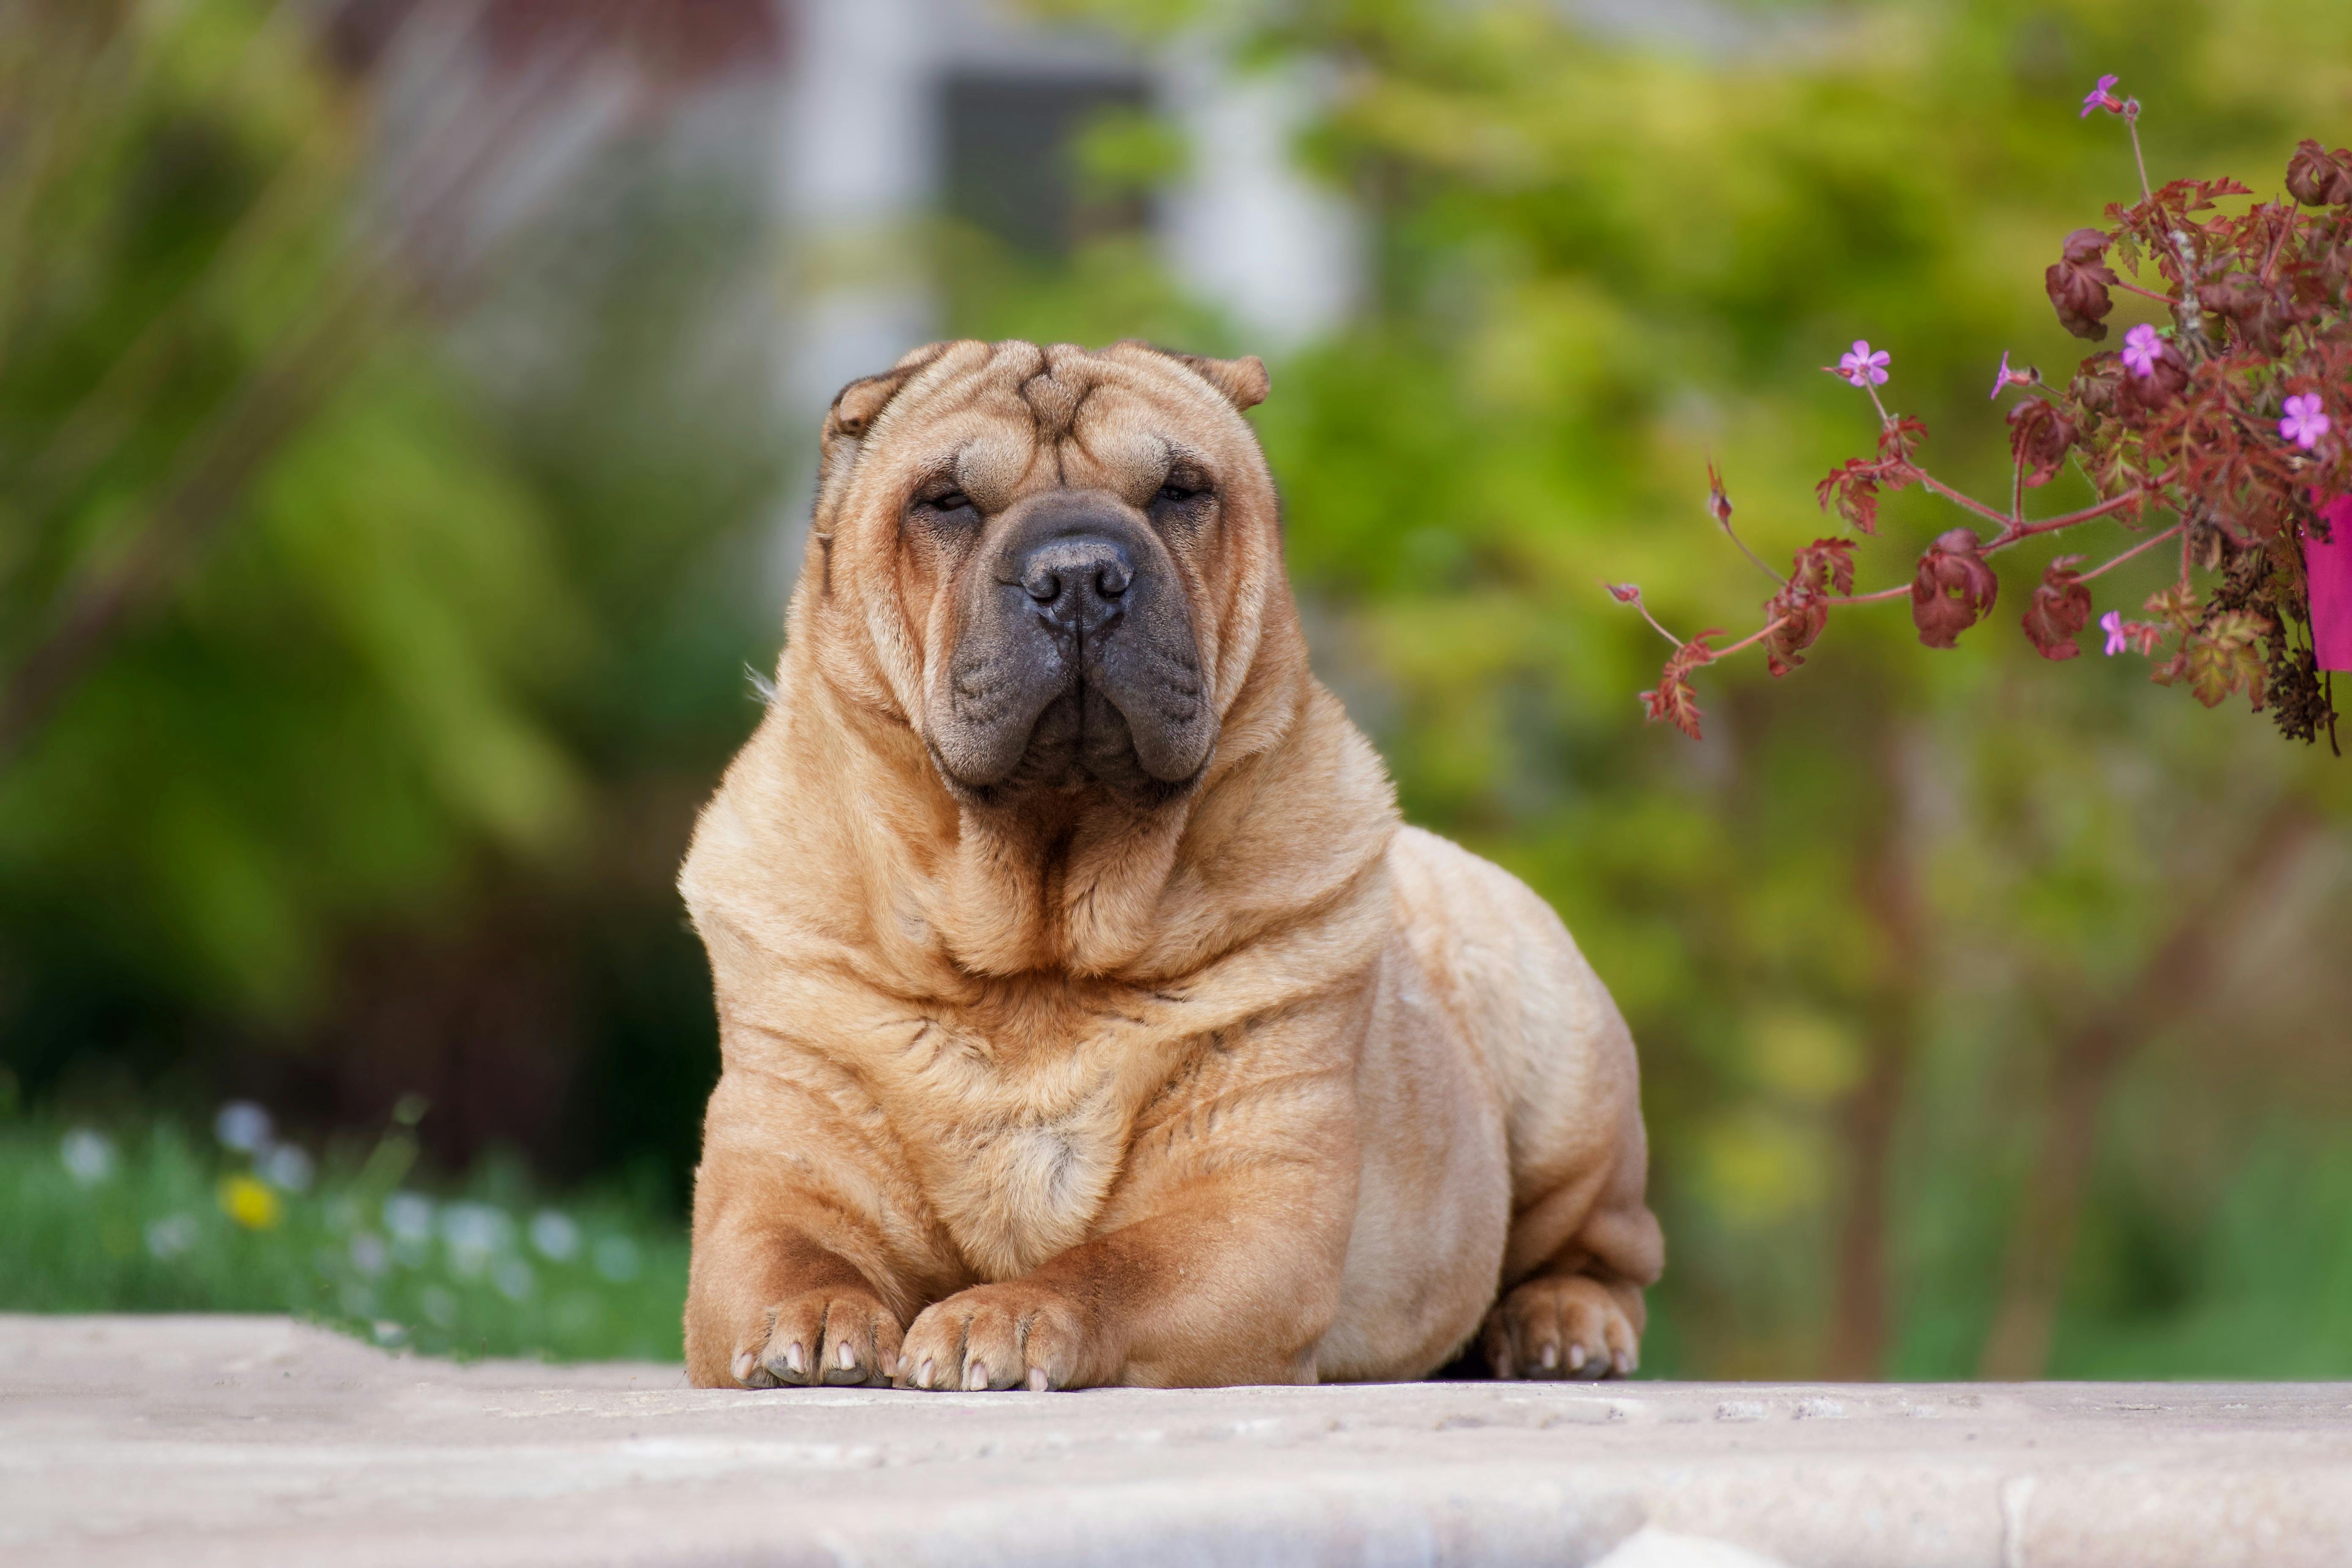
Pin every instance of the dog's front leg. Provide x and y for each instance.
(1219, 1261)
(795, 1279)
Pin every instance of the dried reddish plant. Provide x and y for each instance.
(2224, 433)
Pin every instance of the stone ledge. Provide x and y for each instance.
(258, 1441)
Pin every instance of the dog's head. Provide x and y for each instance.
(1059, 561)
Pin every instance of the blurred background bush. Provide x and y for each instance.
(406, 408)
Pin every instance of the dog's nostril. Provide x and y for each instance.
(1042, 584)
(1111, 580)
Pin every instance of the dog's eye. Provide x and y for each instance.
(1177, 491)
(953, 501)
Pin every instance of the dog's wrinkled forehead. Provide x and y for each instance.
(1007, 419)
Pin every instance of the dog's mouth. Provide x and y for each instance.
(1071, 735)
(1076, 666)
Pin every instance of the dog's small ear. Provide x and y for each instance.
(855, 410)
(1243, 382)
(859, 404)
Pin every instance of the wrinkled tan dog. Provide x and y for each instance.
(1088, 1018)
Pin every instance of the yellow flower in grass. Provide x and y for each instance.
(250, 1204)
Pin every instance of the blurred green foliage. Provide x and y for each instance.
(1870, 931)
(358, 672)
(1993, 1010)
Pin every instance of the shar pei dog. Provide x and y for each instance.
(1087, 1016)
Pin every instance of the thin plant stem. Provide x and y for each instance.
(2012, 530)
(1752, 638)
(1762, 564)
(2150, 542)
(2089, 513)
(1886, 420)
(2285, 233)
(1636, 602)
(2019, 534)
(1958, 497)
(1883, 593)
(2131, 123)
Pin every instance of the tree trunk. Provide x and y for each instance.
(2177, 981)
(1859, 1323)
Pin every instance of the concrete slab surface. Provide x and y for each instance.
(258, 1441)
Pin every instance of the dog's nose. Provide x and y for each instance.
(1077, 582)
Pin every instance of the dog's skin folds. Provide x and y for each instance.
(1087, 1016)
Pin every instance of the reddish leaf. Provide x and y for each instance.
(1855, 488)
(2166, 378)
(1897, 442)
(2078, 284)
(1673, 700)
(1802, 610)
(1827, 562)
(2319, 178)
(2061, 608)
(1799, 618)
(2175, 607)
(2141, 637)
(2040, 436)
(2223, 658)
(1954, 590)
(2184, 196)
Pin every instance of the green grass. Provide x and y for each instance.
(157, 1220)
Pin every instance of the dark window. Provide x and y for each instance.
(1012, 166)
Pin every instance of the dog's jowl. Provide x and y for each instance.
(1087, 1017)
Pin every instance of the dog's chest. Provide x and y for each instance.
(1020, 1154)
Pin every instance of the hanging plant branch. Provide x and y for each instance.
(2233, 420)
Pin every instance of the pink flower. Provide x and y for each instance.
(2008, 377)
(1862, 367)
(2142, 348)
(2101, 97)
(2305, 422)
(2112, 623)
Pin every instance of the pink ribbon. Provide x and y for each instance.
(2328, 565)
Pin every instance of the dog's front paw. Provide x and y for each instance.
(1563, 1325)
(819, 1337)
(1014, 1335)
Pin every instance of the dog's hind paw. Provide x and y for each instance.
(1562, 1325)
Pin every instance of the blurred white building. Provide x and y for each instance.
(896, 109)
(570, 136)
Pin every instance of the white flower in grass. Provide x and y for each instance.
(409, 1216)
(171, 1236)
(475, 1233)
(555, 1235)
(88, 1156)
(616, 1258)
(243, 1126)
(369, 1255)
(513, 1277)
(287, 1169)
